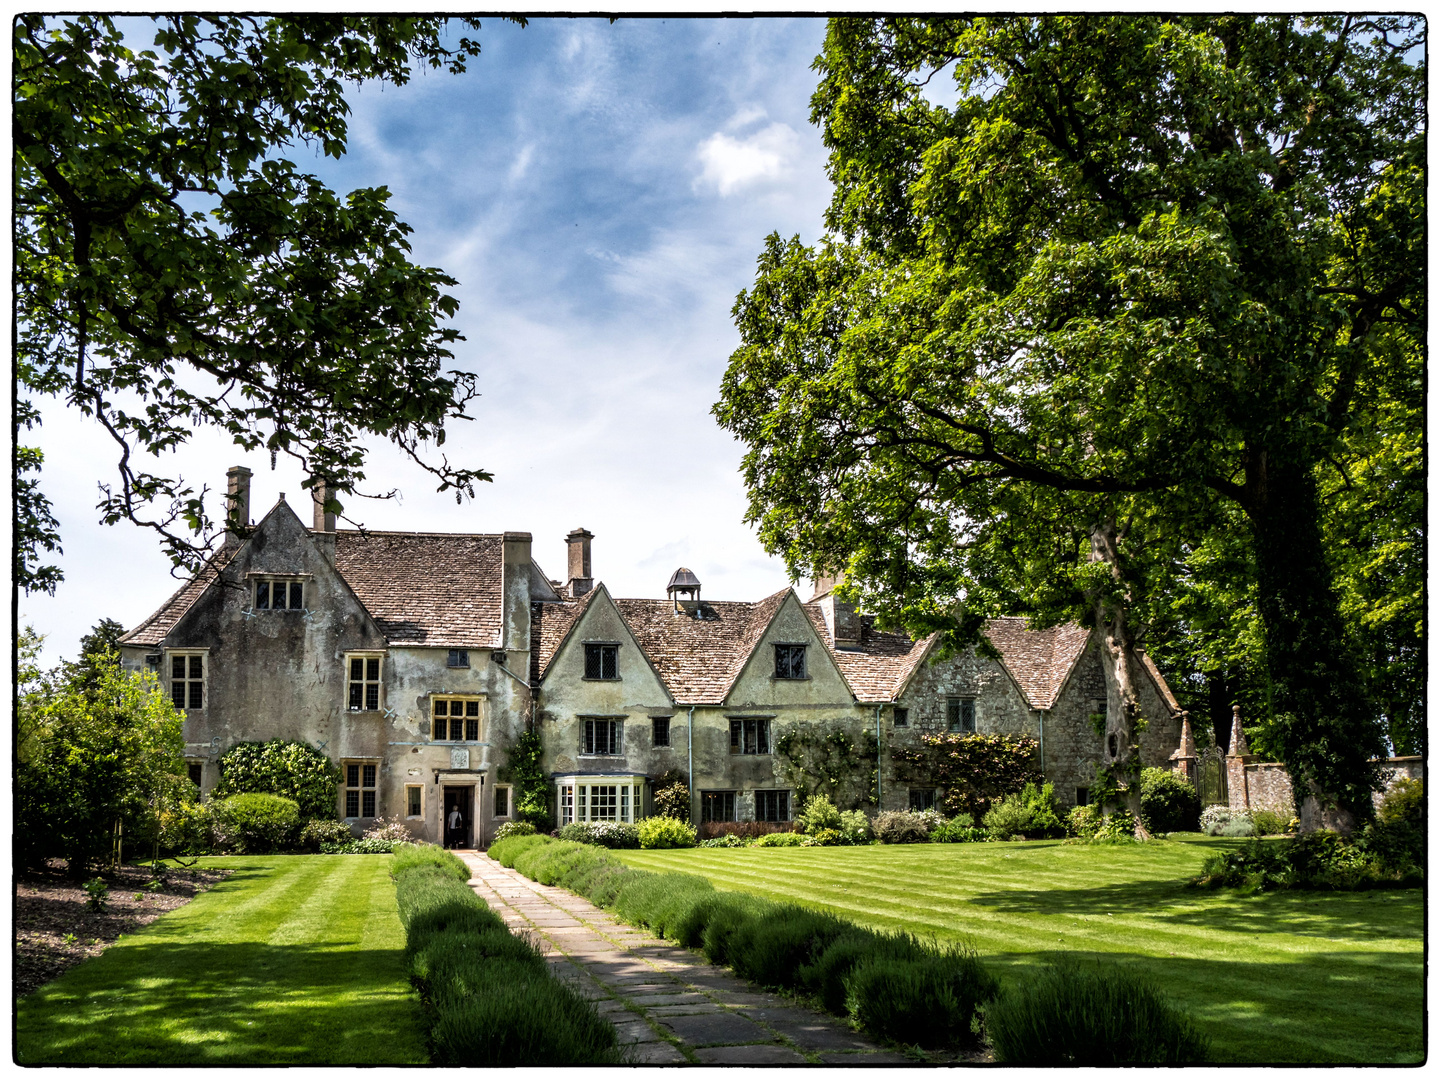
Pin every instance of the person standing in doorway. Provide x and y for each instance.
(455, 822)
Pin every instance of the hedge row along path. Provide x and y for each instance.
(667, 1004)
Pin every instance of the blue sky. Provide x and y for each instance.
(601, 193)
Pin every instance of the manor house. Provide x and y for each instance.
(414, 660)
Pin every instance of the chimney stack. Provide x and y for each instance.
(324, 519)
(237, 502)
(580, 577)
(841, 618)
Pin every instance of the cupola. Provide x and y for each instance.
(683, 581)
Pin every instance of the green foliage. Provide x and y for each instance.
(525, 767)
(256, 823)
(506, 851)
(782, 839)
(513, 828)
(293, 770)
(1269, 823)
(1405, 801)
(411, 857)
(1030, 814)
(1380, 856)
(317, 832)
(769, 951)
(961, 829)
(366, 845)
(818, 813)
(906, 826)
(672, 795)
(610, 834)
(1084, 821)
(666, 832)
(1009, 371)
(934, 1000)
(95, 745)
(1073, 1015)
(1168, 802)
(972, 771)
(97, 892)
(823, 760)
(167, 249)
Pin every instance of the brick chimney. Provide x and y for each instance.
(237, 501)
(581, 579)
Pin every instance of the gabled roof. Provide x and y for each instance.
(880, 666)
(549, 625)
(1038, 660)
(153, 630)
(434, 589)
(700, 659)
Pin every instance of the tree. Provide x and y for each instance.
(285, 768)
(1064, 335)
(95, 755)
(173, 269)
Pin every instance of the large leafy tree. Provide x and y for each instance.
(1064, 340)
(174, 269)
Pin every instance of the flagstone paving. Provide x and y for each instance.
(669, 1007)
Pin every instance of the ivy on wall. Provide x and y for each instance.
(825, 759)
(531, 786)
(970, 771)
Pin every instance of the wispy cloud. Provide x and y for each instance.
(731, 164)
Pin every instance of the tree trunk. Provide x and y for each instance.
(1321, 720)
(1121, 751)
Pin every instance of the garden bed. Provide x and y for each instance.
(55, 929)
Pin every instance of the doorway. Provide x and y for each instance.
(461, 800)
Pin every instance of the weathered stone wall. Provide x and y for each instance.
(1260, 785)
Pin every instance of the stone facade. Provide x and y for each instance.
(621, 690)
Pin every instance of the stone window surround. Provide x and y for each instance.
(957, 726)
(618, 719)
(378, 682)
(601, 646)
(255, 578)
(804, 648)
(421, 789)
(479, 718)
(509, 802)
(360, 787)
(170, 680)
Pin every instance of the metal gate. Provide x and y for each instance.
(1212, 784)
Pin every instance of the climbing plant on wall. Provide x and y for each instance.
(825, 759)
(532, 789)
(971, 771)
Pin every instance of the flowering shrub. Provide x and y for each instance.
(665, 832)
(317, 832)
(1084, 822)
(823, 838)
(819, 813)
(854, 827)
(513, 828)
(728, 840)
(672, 795)
(905, 826)
(393, 830)
(1118, 828)
(1222, 821)
(608, 834)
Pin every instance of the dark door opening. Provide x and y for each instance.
(459, 817)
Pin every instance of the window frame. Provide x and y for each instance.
(290, 581)
(927, 798)
(171, 655)
(479, 718)
(744, 727)
(659, 724)
(365, 656)
(775, 794)
(457, 658)
(603, 651)
(900, 716)
(708, 798)
(576, 797)
(361, 769)
(588, 741)
(191, 767)
(955, 716)
(791, 650)
(421, 815)
(509, 802)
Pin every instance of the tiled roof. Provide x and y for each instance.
(699, 659)
(880, 666)
(437, 589)
(549, 623)
(1038, 660)
(153, 630)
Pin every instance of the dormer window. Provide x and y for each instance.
(602, 661)
(789, 661)
(279, 594)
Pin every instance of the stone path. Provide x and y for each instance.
(667, 1004)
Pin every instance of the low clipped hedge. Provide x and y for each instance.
(1076, 1015)
(889, 984)
(488, 995)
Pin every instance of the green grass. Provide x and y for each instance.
(291, 960)
(1277, 977)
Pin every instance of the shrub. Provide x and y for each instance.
(97, 893)
(366, 845)
(828, 975)
(746, 830)
(1238, 825)
(729, 840)
(1168, 802)
(823, 838)
(186, 829)
(768, 951)
(609, 834)
(904, 826)
(672, 796)
(551, 864)
(513, 828)
(960, 829)
(1084, 822)
(725, 915)
(1213, 819)
(318, 832)
(1269, 823)
(666, 832)
(932, 1000)
(854, 827)
(1318, 860)
(1031, 813)
(284, 767)
(783, 839)
(1118, 828)
(971, 771)
(427, 857)
(818, 813)
(392, 829)
(506, 851)
(256, 823)
(660, 901)
(1405, 801)
(524, 767)
(1102, 1016)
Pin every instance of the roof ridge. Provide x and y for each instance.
(402, 532)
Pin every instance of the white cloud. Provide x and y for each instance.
(732, 164)
(521, 164)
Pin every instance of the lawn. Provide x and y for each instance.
(292, 959)
(1278, 977)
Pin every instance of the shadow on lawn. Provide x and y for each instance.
(1355, 1007)
(1395, 913)
(165, 1002)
